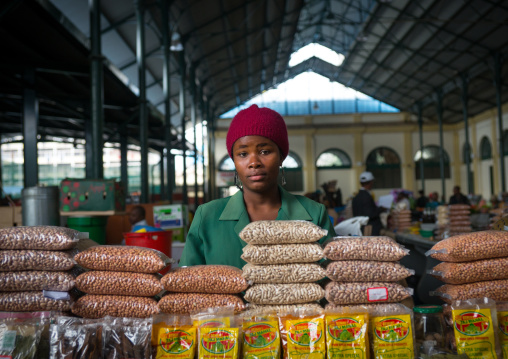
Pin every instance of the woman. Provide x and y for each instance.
(257, 142)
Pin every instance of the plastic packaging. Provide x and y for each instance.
(173, 336)
(429, 328)
(19, 338)
(469, 272)
(278, 232)
(98, 306)
(119, 283)
(185, 303)
(31, 302)
(366, 292)
(493, 289)
(367, 271)
(282, 253)
(19, 260)
(75, 338)
(261, 338)
(347, 334)
(471, 246)
(364, 248)
(502, 320)
(374, 309)
(475, 326)
(263, 309)
(123, 259)
(292, 293)
(303, 333)
(284, 273)
(36, 280)
(38, 237)
(220, 279)
(127, 338)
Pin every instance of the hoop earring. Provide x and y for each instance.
(238, 183)
(283, 177)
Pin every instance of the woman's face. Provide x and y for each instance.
(257, 160)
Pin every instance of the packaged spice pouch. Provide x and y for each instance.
(391, 333)
(219, 335)
(279, 232)
(502, 320)
(473, 271)
(173, 337)
(36, 280)
(22, 260)
(471, 247)
(123, 259)
(303, 334)
(347, 334)
(261, 338)
(367, 271)
(366, 292)
(475, 325)
(127, 338)
(119, 283)
(494, 289)
(364, 248)
(19, 338)
(220, 279)
(50, 238)
(74, 338)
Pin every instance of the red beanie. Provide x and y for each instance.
(255, 121)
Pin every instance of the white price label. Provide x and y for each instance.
(377, 294)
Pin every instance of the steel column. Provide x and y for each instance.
(124, 175)
(97, 91)
(420, 132)
(166, 83)
(161, 163)
(465, 99)
(143, 109)
(498, 81)
(30, 126)
(181, 63)
(439, 99)
(211, 155)
(203, 116)
(192, 81)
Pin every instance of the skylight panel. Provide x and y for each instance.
(317, 50)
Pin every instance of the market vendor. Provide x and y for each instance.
(257, 142)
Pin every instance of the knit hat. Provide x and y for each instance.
(255, 121)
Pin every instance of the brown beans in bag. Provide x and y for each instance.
(185, 303)
(98, 306)
(364, 248)
(469, 272)
(493, 289)
(367, 271)
(366, 292)
(119, 283)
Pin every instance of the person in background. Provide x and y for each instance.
(364, 205)
(137, 217)
(433, 202)
(402, 201)
(257, 142)
(421, 201)
(457, 197)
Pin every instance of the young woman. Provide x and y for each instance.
(257, 142)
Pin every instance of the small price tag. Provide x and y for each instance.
(8, 342)
(56, 295)
(377, 294)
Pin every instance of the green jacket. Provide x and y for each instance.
(213, 235)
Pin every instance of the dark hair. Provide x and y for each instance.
(140, 210)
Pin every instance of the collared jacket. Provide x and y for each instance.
(364, 205)
(213, 235)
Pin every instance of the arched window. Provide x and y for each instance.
(226, 164)
(431, 155)
(333, 158)
(467, 150)
(293, 172)
(485, 149)
(384, 163)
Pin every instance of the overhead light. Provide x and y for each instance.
(176, 44)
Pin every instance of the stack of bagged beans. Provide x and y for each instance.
(474, 265)
(459, 219)
(365, 270)
(197, 288)
(401, 219)
(33, 268)
(281, 261)
(120, 281)
(442, 222)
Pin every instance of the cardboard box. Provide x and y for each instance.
(17, 216)
(170, 216)
(179, 234)
(6, 217)
(78, 195)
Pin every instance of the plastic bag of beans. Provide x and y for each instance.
(123, 259)
(284, 273)
(291, 293)
(220, 279)
(95, 306)
(282, 253)
(185, 303)
(18, 260)
(471, 247)
(364, 248)
(367, 271)
(493, 289)
(278, 232)
(127, 338)
(119, 283)
(365, 292)
(36, 280)
(469, 272)
(32, 302)
(39, 237)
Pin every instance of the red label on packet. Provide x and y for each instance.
(377, 294)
